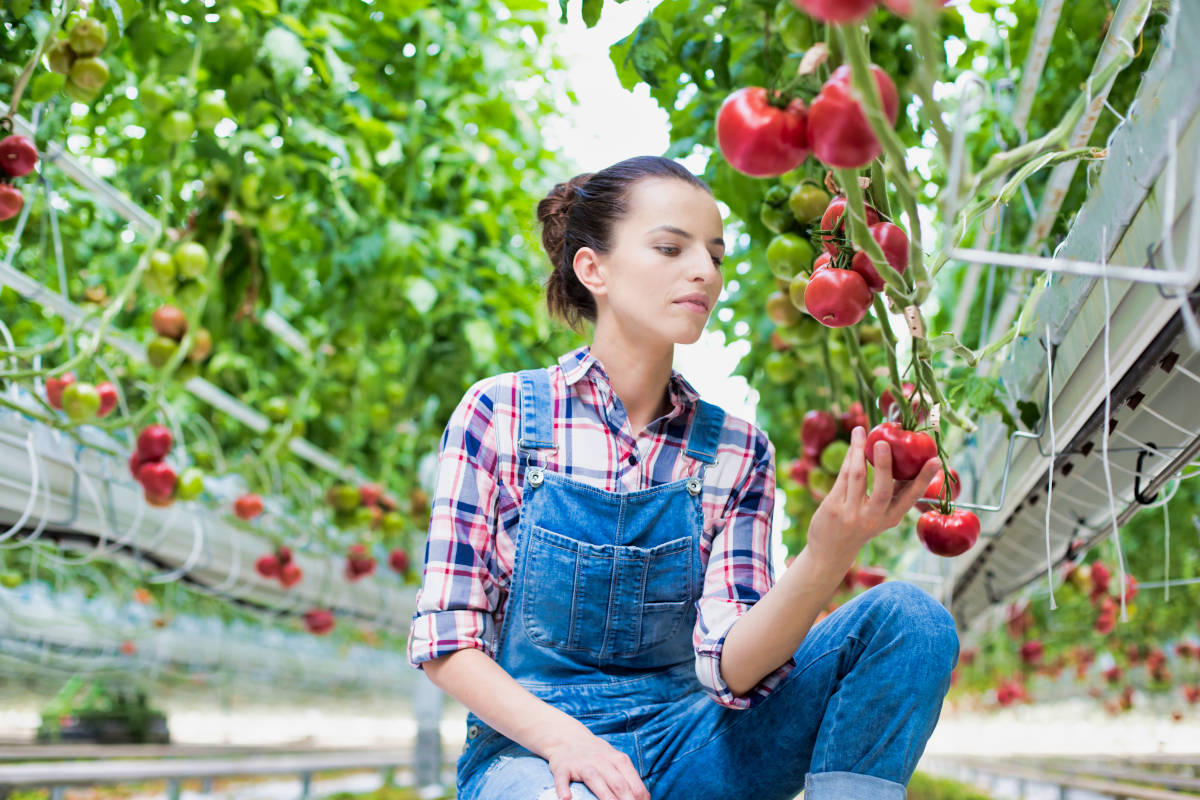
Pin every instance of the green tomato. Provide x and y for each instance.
(345, 497)
(191, 260)
(10, 580)
(833, 455)
(89, 74)
(780, 367)
(177, 126)
(781, 311)
(88, 37)
(190, 294)
(363, 517)
(393, 523)
(796, 291)
(190, 484)
(153, 98)
(160, 350)
(249, 191)
(162, 266)
(79, 94)
(211, 108)
(157, 285)
(804, 331)
(80, 401)
(808, 202)
(778, 219)
(203, 458)
(60, 56)
(277, 409)
(788, 254)
(820, 482)
(380, 416)
(278, 218)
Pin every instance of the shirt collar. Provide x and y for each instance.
(580, 361)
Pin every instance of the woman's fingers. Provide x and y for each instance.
(912, 493)
(882, 487)
(855, 467)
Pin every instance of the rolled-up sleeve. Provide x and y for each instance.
(738, 573)
(459, 591)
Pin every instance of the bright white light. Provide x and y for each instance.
(225, 128)
(409, 50)
(127, 236)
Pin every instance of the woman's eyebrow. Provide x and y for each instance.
(685, 234)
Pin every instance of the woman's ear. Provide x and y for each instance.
(590, 272)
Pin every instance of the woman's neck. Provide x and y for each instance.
(639, 376)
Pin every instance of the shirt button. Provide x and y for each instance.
(632, 459)
(472, 731)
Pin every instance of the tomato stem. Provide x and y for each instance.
(889, 351)
(862, 377)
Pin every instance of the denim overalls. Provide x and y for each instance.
(599, 622)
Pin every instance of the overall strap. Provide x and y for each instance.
(706, 432)
(537, 411)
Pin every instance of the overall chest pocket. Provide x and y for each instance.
(606, 601)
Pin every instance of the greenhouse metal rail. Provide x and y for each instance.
(102, 767)
(1130, 777)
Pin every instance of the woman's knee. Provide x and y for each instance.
(918, 619)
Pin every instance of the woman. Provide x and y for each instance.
(598, 589)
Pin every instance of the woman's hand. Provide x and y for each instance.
(847, 518)
(605, 770)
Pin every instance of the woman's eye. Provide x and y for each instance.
(665, 248)
(716, 262)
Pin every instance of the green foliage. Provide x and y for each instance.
(924, 786)
(378, 184)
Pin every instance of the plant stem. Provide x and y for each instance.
(889, 351)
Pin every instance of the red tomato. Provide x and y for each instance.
(832, 221)
(837, 298)
(910, 449)
(18, 156)
(934, 492)
(248, 506)
(822, 261)
(871, 576)
(854, 417)
(108, 397)
(290, 574)
(818, 429)
(154, 442)
(837, 126)
(398, 560)
(894, 243)
(835, 10)
(370, 493)
(759, 139)
(319, 621)
(157, 478)
(948, 534)
(11, 201)
(800, 469)
(283, 554)
(267, 566)
(55, 387)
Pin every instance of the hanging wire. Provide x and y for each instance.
(1104, 430)
(1050, 470)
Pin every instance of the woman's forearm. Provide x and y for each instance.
(767, 635)
(474, 679)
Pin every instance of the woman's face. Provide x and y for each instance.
(668, 247)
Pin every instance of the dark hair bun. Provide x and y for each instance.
(554, 211)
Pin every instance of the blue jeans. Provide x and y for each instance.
(850, 722)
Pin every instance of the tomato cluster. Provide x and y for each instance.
(825, 440)
(80, 400)
(319, 621)
(161, 486)
(280, 565)
(18, 157)
(365, 506)
(77, 56)
(359, 562)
